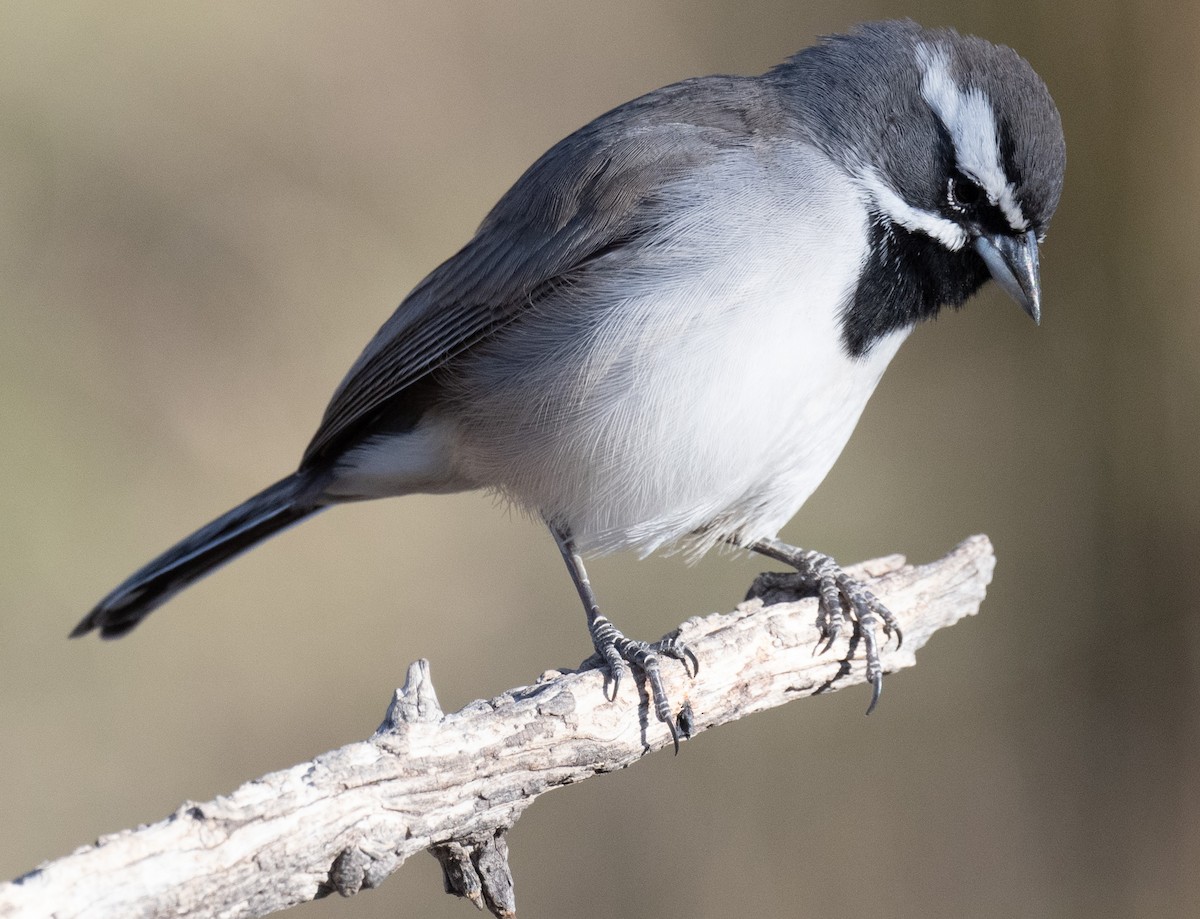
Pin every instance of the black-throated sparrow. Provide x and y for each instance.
(664, 333)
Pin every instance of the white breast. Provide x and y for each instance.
(693, 391)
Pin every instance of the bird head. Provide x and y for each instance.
(958, 150)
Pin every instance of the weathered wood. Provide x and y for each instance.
(455, 784)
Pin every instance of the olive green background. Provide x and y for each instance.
(206, 209)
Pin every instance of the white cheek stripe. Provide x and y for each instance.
(947, 232)
(971, 122)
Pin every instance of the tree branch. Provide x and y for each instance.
(455, 784)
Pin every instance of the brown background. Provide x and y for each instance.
(205, 211)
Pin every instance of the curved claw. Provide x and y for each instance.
(832, 635)
(616, 670)
(672, 647)
(876, 691)
(646, 657)
(674, 734)
(689, 656)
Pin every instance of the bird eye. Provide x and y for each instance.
(962, 194)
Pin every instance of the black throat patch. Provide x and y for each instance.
(907, 278)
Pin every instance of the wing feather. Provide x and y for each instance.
(594, 191)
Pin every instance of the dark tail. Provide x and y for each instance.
(271, 510)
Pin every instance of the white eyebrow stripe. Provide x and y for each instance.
(889, 203)
(971, 122)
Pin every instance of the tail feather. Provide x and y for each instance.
(274, 509)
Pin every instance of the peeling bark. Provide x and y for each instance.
(455, 784)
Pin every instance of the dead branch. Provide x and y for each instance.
(455, 784)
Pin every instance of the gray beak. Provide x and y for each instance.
(1013, 262)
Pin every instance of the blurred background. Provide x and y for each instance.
(207, 209)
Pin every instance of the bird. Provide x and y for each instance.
(662, 336)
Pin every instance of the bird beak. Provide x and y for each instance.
(1013, 262)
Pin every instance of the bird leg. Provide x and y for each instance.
(616, 650)
(838, 595)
